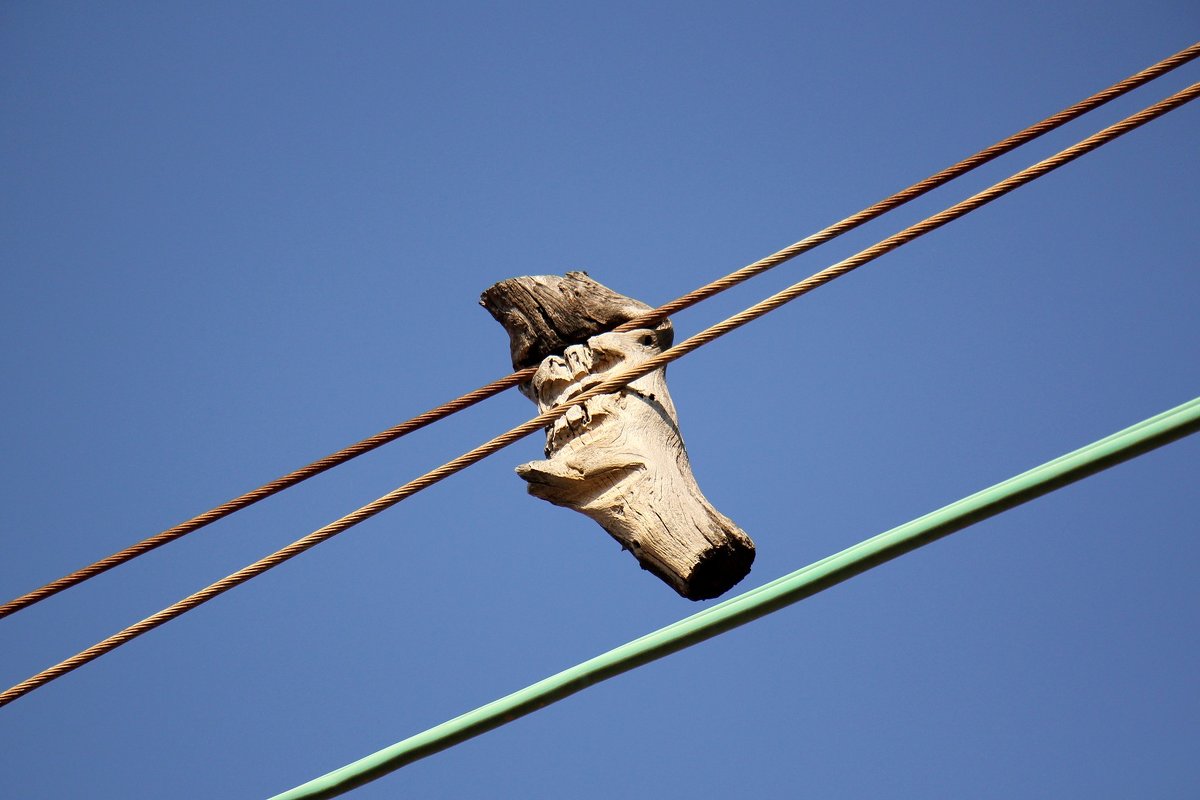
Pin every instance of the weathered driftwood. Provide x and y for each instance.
(545, 313)
(618, 458)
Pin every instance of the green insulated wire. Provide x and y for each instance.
(1122, 446)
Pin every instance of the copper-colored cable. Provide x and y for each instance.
(609, 385)
(686, 301)
(265, 491)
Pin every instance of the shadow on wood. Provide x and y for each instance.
(618, 458)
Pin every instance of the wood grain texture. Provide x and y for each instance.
(545, 313)
(618, 458)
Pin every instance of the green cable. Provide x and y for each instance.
(1121, 446)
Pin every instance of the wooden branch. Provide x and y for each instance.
(618, 458)
(545, 313)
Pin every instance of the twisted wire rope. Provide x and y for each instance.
(686, 301)
(607, 386)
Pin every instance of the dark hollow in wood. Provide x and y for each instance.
(543, 314)
(618, 458)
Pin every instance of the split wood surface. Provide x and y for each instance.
(618, 458)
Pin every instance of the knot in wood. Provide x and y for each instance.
(619, 458)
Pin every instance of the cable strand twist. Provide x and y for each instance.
(662, 312)
(609, 385)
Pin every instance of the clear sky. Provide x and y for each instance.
(235, 237)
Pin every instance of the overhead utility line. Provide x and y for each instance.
(686, 301)
(609, 385)
(756, 603)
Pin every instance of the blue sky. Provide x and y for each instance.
(235, 237)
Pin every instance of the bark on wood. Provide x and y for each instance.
(619, 458)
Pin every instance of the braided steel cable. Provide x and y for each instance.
(917, 189)
(686, 301)
(265, 491)
(609, 385)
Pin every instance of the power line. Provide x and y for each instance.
(609, 385)
(756, 603)
(495, 387)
